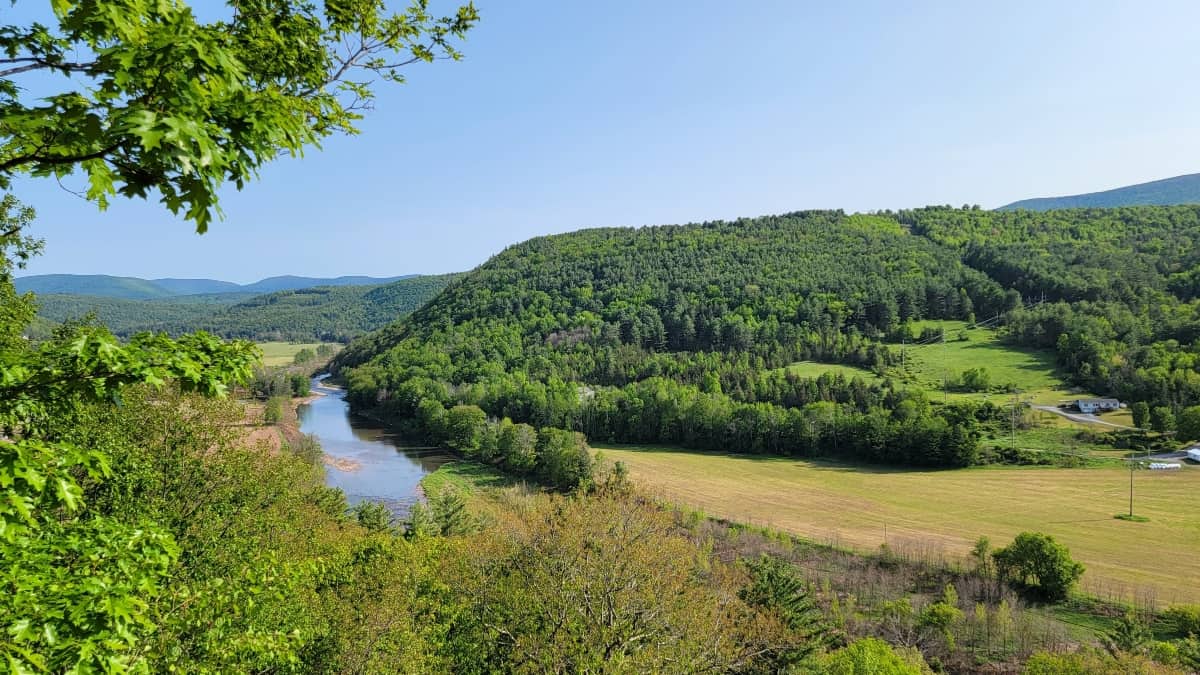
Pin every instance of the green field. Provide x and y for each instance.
(930, 366)
(814, 369)
(1031, 372)
(946, 511)
(282, 353)
(468, 478)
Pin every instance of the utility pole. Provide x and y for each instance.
(1131, 487)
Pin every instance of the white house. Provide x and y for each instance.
(1091, 405)
(1194, 454)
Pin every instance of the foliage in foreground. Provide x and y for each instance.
(186, 549)
(154, 100)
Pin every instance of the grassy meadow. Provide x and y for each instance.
(944, 512)
(813, 369)
(282, 353)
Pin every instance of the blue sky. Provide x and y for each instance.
(566, 115)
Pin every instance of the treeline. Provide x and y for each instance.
(557, 458)
(324, 313)
(834, 417)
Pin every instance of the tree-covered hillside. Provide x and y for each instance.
(327, 313)
(1165, 192)
(1121, 290)
(128, 288)
(679, 334)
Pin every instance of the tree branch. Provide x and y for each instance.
(56, 160)
(35, 63)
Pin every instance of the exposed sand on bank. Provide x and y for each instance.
(342, 463)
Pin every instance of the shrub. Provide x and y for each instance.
(300, 385)
(465, 427)
(872, 656)
(1090, 662)
(1129, 634)
(1184, 620)
(1036, 562)
(273, 410)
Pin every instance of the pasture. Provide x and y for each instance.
(944, 512)
(282, 353)
(1030, 371)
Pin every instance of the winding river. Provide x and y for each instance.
(363, 459)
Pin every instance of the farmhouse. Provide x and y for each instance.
(1091, 405)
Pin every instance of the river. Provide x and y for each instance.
(367, 461)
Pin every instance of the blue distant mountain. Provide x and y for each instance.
(1165, 192)
(196, 286)
(133, 288)
(290, 283)
(129, 288)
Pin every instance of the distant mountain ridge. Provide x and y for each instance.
(1165, 192)
(133, 288)
(325, 313)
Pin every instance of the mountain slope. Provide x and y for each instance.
(125, 317)
(197, 286)
(129, 288)
(289, 283)
(1169, 191)
(132, 288)
(682, 334)
(323, 313)
(701, 286)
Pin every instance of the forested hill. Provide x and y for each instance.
(133, 288)
(680, 334)
(1166, 192)
(327, 313)
(323, 313)
(751, 284)
(101, 285)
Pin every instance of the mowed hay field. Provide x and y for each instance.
(944, 512)
(282, 353)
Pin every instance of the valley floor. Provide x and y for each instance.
(942, 513)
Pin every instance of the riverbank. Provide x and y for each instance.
(274, 436)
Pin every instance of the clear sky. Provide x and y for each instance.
(566, 115)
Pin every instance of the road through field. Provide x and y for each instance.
(1080, 417)
(944, 512)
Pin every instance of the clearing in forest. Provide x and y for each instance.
(282, 353)
(936, 366)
